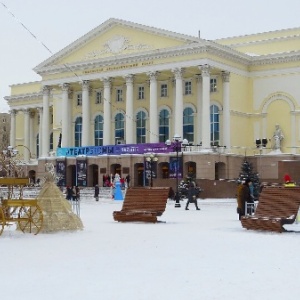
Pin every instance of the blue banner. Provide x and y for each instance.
(175, 167)
(115, 149)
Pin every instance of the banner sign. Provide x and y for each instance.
(81, 171)
(61, 172)
(148, 170)
(115, 149)
(175, 167)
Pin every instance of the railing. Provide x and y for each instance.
(33, 192)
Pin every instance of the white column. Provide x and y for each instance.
(226, 110)
(26, 134)
(86, 111)
(198, 137)
(40, 110)
(13, 127)
(173, 120)
(129, 110)
(178, 102)
(71, 131)
(107, 112)
(65, 116)
(45, 135)
(205, 128)
(32, 137)
(153, 113)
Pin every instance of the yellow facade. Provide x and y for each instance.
(263, 85)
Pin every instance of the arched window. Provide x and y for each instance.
(141, 127)
(214, 125)
(163, 125)
(51, 141)
(37, 145)
(119, 128)
(188, 124)
(78, 131)
(98, 133)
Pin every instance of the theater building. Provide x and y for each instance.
(123, 89)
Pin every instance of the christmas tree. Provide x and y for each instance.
(248, 172)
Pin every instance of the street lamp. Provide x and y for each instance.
(177, 143)
(151, 159)
(10, 151)
(261, 143)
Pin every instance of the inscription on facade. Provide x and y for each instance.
(121, 67)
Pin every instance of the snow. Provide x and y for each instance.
(192, 254)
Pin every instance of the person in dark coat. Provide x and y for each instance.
(69, 193)
(96, 195)
(192, 196)
(240, 203)
(128, 180)
(246, 196)
(74, 193)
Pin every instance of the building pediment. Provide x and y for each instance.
(115, 39)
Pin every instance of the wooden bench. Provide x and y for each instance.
(277, 206)
(143, 205)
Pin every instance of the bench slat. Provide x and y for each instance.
(143, 205)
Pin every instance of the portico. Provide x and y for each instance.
(158, 93)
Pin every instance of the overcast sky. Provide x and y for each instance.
(57, 23)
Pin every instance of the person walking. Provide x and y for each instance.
(192, 196)
(96, 194)
(74, 193)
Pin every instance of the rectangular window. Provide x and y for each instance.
(119, 95)
(188, 88)
(141, 94)
(164, 90)
(213, 85)
(79, 99)
(98, 97)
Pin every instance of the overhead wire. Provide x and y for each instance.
(66, 65)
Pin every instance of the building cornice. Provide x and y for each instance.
(121, 60)
(264, 41)
(253, 35)
(208, 48)
(199, 48)
(276, 58)
(21, 97)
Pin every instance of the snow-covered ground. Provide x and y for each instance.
(192, 254)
